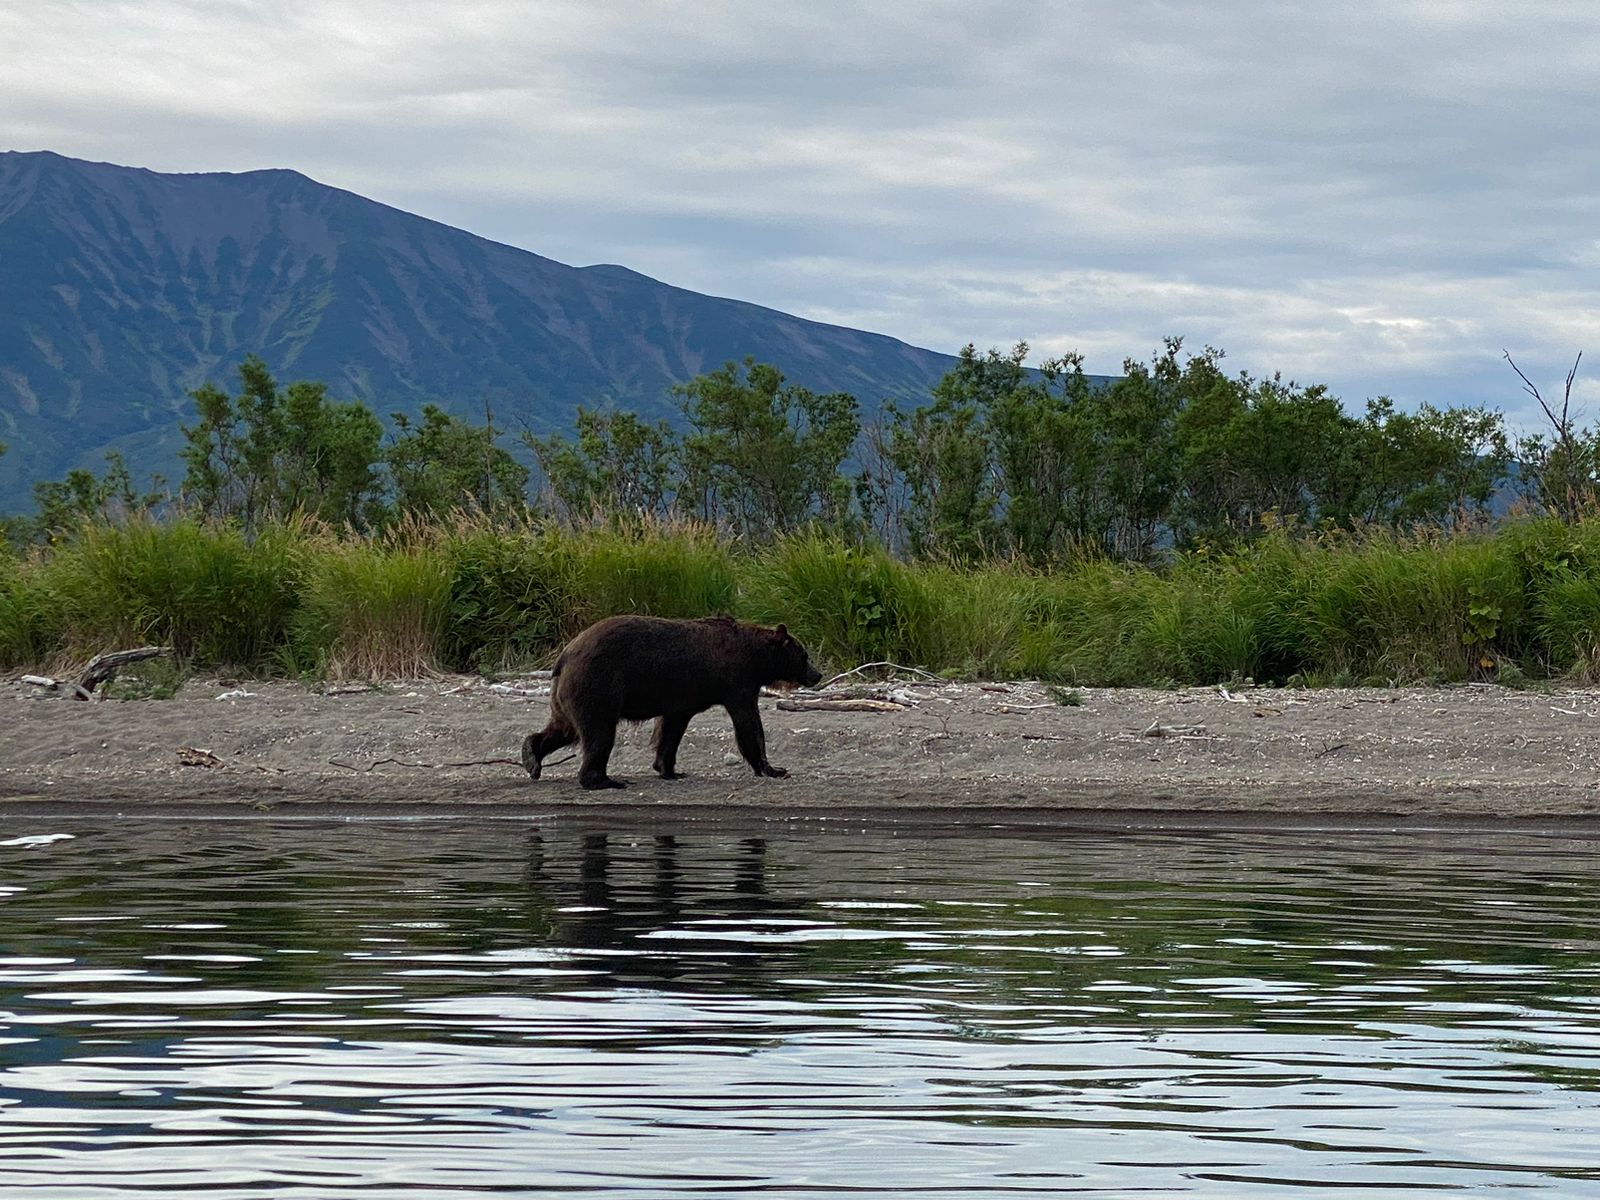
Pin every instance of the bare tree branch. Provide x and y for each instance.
(1562, 426)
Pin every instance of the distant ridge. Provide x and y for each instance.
(122, 288)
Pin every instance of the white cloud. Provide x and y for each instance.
(1378, 197)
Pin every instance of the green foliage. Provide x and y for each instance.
(1042, 465)
(213, 596)
(1179, 524)
(1568, 621)
(659, 571)
(63, 506)
(479, 594)
(762, 457)
(1420, 469)
(373, 609)
(942, 451)
(269, 453)
(619, 469)
(30, 618)
(443, 464)
(1402, 606)
(510, 593)
(847, 603)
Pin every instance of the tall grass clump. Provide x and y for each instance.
(1560, 569)
(30, 626)
(1567, 620)
(205, 590)
(1233, 615)
(978, 623)
(1084, 624)
(851, 604)
(656, 570)
(511, 595)
(374, 609)
(1426, 607)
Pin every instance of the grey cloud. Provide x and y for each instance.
(1377, 196)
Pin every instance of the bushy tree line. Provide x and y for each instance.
(1000, 460)
(1037, 464)
(1174, 452)
(270, 452)
(757, 456)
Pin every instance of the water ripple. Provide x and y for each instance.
(309, 1010)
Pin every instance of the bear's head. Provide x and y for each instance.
(790, 662)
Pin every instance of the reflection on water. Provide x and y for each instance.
(329, 1009)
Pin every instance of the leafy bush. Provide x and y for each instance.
(510, 593)
(848, 604)
(675, 571)
(30, 624)
(373, 609)
(206, 591)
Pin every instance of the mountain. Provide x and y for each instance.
(121, 289)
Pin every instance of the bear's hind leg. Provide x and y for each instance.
(551, 738)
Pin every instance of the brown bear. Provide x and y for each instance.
(635, 668)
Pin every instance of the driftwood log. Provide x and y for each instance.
(842, 705)
(103, 667)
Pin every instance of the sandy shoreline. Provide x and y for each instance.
(962, 752)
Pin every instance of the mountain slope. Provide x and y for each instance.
(122, 288)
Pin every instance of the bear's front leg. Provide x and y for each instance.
(752, 738)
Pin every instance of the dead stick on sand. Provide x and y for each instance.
(878, 706)
(1190, 733)
(879, 691)
(477, 762)
(874, 665)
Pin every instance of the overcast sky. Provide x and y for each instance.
(1380, 196)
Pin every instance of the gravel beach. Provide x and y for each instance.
(968, 751)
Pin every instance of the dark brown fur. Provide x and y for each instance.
(636, 668)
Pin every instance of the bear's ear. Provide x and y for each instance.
(782, 631)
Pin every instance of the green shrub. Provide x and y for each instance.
(30, 624)
(373, 609)
(848, 604)
(204, 590)
(683, 571)
(510, 597)
(472, 593)
(1415, 607)
(1568, 624)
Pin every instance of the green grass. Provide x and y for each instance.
(848, 604)
(213, 596)
(30, 620)
(1520, 602)
(373, 610)
(674, 572)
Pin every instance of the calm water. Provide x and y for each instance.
(237, 1009)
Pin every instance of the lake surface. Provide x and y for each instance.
(237, 1008)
